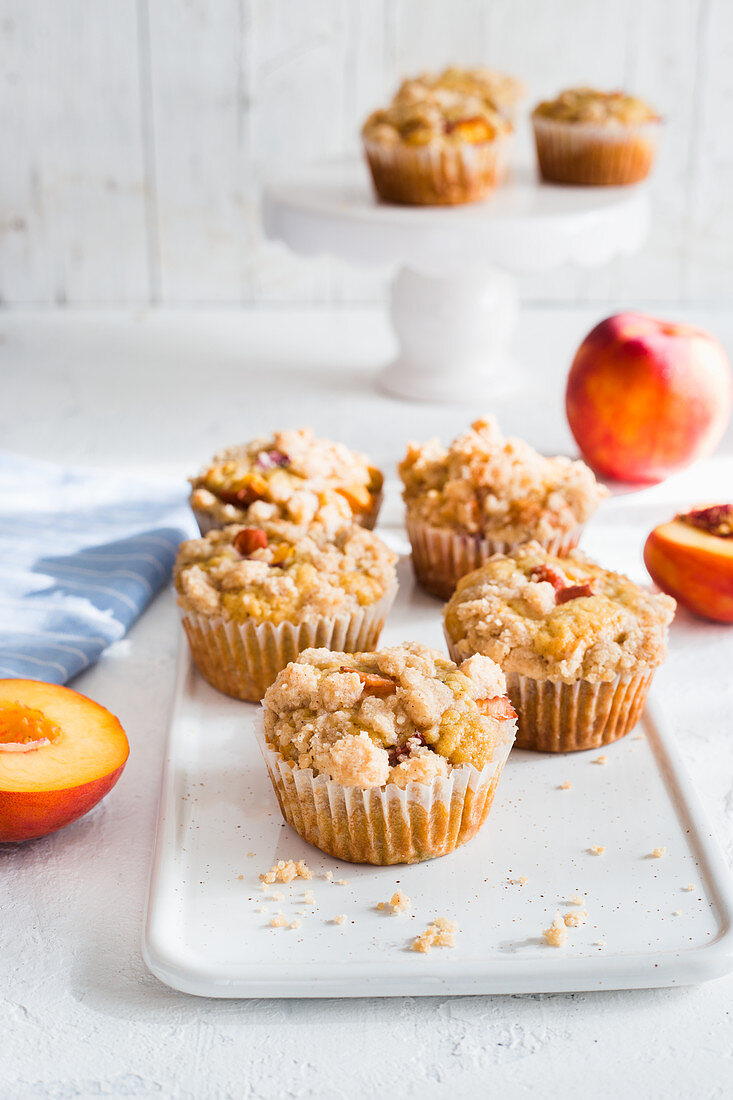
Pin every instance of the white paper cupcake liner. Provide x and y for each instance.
(585, 153)
(243, 658)
(384, 825)
(216, 517)
(435, 175)
(440, 556)
(554, 716)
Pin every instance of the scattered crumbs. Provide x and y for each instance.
(309, 897)
(521, 881)
(557, 933)
(639, 737)
(328, 876)
(659, 853)
(597, 849)
(601, 760)
(302, 912)
(398, 903)
(339, 919)
(278, 921)
(566, 786)
(439, 933)
(240, 877)
(342, 882)
(575, 919)
(575, 899)
(277, 896)
(261, 909)
(689, 888)
(677, 913)
(250, 854)
(600, 943)
(295, 924)
(285, 870)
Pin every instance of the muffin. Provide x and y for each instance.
(485, 495)
(386, 757)
(577, 643)
(499, 90)
(590, 137)
(290, 475)
(251, 598)
(435, 146)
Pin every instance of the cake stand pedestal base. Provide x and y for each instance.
(453, 334)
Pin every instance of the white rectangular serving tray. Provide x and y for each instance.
(208, 923)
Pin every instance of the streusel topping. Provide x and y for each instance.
(602, 108)
(290, 475)
(486, 484)
(399, 715)
(425, 113)
(279, 572)
(558, 618)
(499, 90)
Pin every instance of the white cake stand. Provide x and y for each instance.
(454, 302)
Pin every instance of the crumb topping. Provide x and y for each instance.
(485, 484)
(286, 871)
(498, 90)
(508, 611)
(574, 919)
(426, 112)
(398, 903)
(403, 714)
(556, 935)
(279, 572)
(439, 933)
(290, 475)
(611, 109)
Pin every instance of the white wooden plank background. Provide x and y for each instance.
(135, 134)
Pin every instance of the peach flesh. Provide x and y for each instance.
(693, 566)
(60, 753)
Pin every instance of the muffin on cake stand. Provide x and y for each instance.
(454, 300)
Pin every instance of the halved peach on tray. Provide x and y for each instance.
(60, 753)
(691, 558)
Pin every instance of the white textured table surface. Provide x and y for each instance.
(79, 1014)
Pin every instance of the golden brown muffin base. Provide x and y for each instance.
(243, 659)
(384, 825)
(435, 175)
(441, 556)
(589, 155)
(558, 717)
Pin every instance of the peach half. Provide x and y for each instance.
(60, 753)
(691, 558)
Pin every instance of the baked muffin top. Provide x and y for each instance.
(558, 618)
(290, 475)
(499, 90)
(602, 108)
(485, 484)
(279, 572)
(398, 715)
(428, 114)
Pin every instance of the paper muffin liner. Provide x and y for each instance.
(384, 825)
(554, 716)
(585, 153)
(440, 556)
(434, 175)
(243, 658)
(208, 520)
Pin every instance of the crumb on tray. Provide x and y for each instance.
(557, 934)
(439, 933)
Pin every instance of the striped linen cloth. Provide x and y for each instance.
(82, 553)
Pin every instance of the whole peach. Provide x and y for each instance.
(647, 397)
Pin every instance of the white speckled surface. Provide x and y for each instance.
(79, 1014)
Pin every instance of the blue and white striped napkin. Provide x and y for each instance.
(82, 553)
